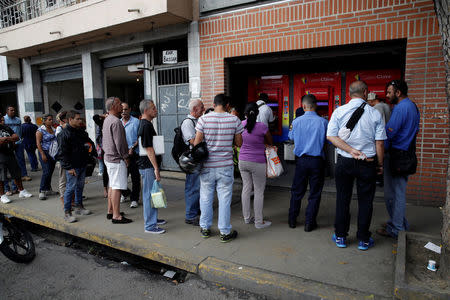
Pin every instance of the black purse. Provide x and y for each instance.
(403, 163)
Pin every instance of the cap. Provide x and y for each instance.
(371, 96)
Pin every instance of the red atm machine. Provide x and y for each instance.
(277, 88)
(325, 86)
(375, 79)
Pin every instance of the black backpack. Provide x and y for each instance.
(179, 146)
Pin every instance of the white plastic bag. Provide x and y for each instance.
(274, 166)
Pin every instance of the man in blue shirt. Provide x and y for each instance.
(360, 157)
(309, 136)
(401, 133)
(131, 125)
(14, 123)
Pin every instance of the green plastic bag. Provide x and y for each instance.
(159, 199)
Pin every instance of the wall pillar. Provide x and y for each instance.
(194, 60)
(93, 90)
(29, 92)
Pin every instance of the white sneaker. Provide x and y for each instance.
(5, 199)
(42, 196)
(25, 194)
(123, 199)
(264, 224)
(134, 204)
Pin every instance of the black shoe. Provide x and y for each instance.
(109, 216)
(122, 221)
(192, 221)
(206, 233)
(310, 226)
(292, 224)
(225, 238)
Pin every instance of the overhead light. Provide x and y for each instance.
(134, 10)
(137, 79)
(272, 77)
(55, 32)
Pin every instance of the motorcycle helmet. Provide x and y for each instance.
(200, 152)
(188, 164)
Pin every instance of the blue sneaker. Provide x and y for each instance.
(161, 222)
(366, 245)
(155, 230)
(341, 242)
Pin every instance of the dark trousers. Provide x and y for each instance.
(133, 170)
(347, 170)
(31, 152)
(308, 169)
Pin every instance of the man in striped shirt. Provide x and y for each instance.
(218, 129)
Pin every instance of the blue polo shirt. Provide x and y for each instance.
(309, 134)
(131, 131)
(403, 125)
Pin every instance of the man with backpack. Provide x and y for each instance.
(192, 186)
(361, 153)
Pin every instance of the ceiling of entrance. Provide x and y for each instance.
(122, 75)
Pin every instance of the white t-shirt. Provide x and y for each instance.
(265, 114)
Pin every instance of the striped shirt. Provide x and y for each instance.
(218, 132)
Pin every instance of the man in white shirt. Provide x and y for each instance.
(360, 157)
(192, 185)
(265, 114)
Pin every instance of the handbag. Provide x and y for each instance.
(159, 199)
(274, 166)
(53, 149)
(401, 162)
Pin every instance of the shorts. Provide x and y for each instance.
(118, 175)
(11, 166)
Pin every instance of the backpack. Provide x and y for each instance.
(179, 146)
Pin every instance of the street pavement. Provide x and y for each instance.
(64, 273)
(278, 261)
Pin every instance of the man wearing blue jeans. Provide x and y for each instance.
(401, 131)
(192, 185)
(74, 151)
(218, 129)
(14, 123)
(148, 165)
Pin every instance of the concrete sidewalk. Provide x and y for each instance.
(279, 262)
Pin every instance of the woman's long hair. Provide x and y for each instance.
(251, 112)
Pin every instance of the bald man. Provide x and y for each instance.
(360, 157)
(192, 186)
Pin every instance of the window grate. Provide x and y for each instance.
(173, 76)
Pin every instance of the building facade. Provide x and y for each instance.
(288, 48)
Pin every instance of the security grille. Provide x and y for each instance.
(173, 76)
(13, 12)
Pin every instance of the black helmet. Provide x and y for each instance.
(188, 164)
(200, 152)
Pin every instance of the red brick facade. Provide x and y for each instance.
(306, 24)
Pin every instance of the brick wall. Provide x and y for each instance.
(305, 24)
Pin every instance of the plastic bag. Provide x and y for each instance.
(159, 199)
(274, 166)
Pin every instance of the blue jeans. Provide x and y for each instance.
(31, 153)
(21, 159)
(12, 188)
(192, 195)
(395, 199)
(220, 179)
(74, 184)
(101, 166)
(47, 172)
(150, 213)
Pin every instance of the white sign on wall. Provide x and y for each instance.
(170, 57)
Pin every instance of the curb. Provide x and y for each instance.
(272, 284)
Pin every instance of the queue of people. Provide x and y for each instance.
(365, 137)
